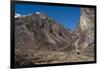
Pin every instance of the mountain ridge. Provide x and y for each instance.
(45, 26)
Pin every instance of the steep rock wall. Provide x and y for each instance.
(85, 31)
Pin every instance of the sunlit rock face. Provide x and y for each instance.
(87, 18)
(86, 30)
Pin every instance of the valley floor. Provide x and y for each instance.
(29, 57)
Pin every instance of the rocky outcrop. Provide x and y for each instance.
(85, 31)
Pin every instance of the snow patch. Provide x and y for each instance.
(37, 12)
(19, 16)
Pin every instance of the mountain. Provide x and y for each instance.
(42, 32)
(39, 39)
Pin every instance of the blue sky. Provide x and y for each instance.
(67, 16)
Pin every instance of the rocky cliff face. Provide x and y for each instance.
(85, 31)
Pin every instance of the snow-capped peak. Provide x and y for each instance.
(37, 12)
(19, 15)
